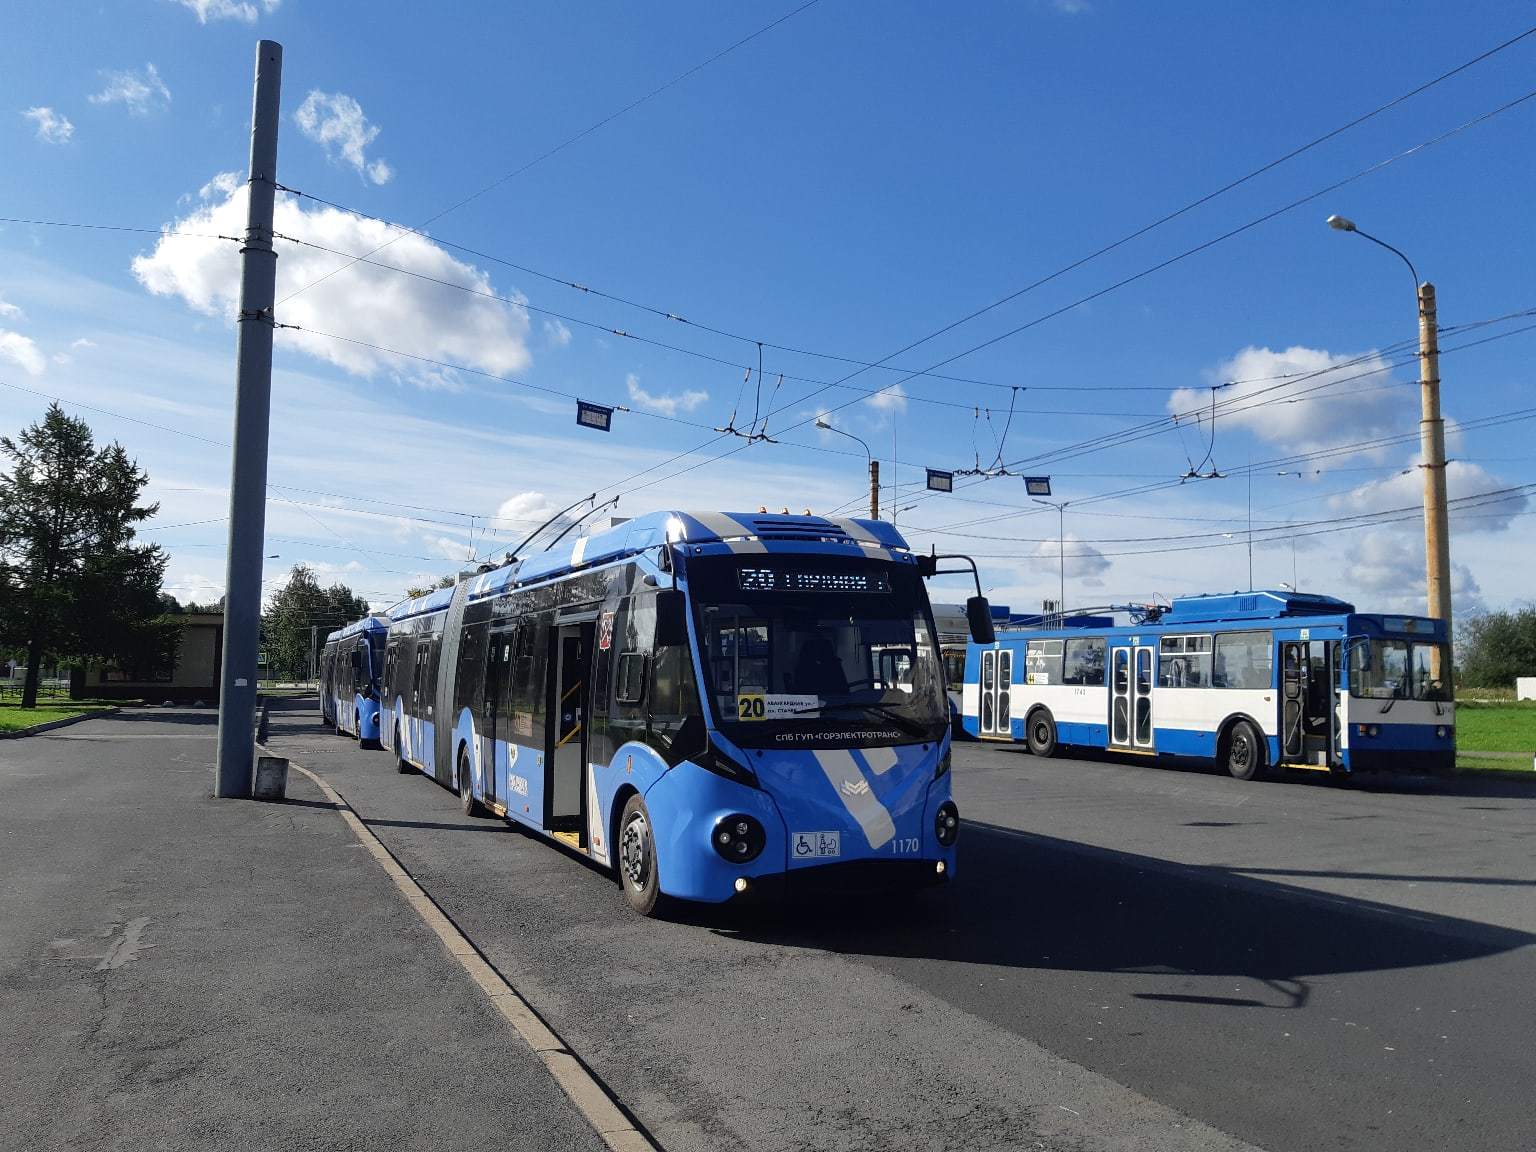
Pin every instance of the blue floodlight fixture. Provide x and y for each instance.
(594, 416)
(1037, 485)
(940, 481)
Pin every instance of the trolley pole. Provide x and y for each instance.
(253, 401)
(874, 488)
(1437, 534)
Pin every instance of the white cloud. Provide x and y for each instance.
(336, 122)
(666, 403)
(1072, 7)
(140, 92)
(1356, 406)
(242, 10)
(9, 309)
(52, 127)
(892, 399)
(557, 333)
(1085, 563)
(1388, 565)
(221, 187)
(364, 303)
(22, 351)
(82, 343)
(1462, 479)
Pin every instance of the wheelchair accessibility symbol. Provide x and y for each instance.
(806, 845)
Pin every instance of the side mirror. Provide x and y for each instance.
(671, 619)
(978, 614)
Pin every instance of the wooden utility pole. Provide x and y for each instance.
(1437, 534)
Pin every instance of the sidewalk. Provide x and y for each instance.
(184, 973)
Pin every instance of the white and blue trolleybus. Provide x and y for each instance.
(713, 704)
(1248, 681)
(350, 663)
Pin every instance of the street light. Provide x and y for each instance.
(1061, 546)
(1437, 537)
(874, 465)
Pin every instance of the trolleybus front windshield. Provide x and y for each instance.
(806, 649)
(1398, 669)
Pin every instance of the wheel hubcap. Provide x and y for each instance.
(633, 857)
(1241, 751)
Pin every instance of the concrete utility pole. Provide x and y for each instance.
(1437, 529)
(253, 402)
(1437, 532)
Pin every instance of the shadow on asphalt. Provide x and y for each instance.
(195, 717)
(1027, 901)
(1459, 784)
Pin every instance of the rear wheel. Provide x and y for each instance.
(1245, 751)
(467, 801)
(1040, 731)
(637, 858)
(402, 765)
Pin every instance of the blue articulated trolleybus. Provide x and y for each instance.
(712, 704)
(350, 665)
(1249, 681)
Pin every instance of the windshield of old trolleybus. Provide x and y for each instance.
(796, 642)
(1400, 669)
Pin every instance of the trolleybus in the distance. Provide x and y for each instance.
(712, 704)
(350, 665)
(1248, 681)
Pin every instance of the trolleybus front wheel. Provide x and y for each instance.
(1245, 751)
(467, 801)
(637, 858)
(1040, 731)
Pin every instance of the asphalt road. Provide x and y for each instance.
(1131, 957)
(183, 973)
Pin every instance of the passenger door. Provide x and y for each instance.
(498, 667)
(567, 760)
(997, 693)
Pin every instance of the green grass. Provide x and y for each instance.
(13, 717)
(1508, 728)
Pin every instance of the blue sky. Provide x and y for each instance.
(847, 182)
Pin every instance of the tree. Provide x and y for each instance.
(442, 582)
(298, 608)
(1496, 647)
(72, 581)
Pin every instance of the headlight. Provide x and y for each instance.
(946, 823)
(738, 838)
(943, 768)
(1443, 732)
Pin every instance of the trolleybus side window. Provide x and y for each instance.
(1185, 662)
(629, 683)
(1243, 660)
(1042, 662)
(1083, 663)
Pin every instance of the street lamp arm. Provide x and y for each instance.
(1395, 251)
(826, 427)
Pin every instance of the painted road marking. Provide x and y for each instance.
(591, 1098)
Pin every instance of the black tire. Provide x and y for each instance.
(1245, 752)
(1040, 732)
(637, 858)
(467, 801)
(402, 765)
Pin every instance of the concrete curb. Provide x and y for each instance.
(590, 1095)
(64, 723)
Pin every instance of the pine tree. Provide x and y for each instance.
(72, 581)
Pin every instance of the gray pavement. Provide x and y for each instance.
(183, 973)
(1130, 958)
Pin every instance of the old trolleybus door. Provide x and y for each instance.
(996, 692)
(1132, 670)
